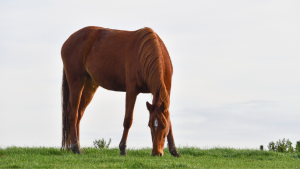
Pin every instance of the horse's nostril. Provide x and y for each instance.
(160, 154)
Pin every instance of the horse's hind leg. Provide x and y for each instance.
(88, 92)
(76, 83)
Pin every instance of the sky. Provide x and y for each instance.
(236, 79)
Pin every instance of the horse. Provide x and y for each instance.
(128, 61)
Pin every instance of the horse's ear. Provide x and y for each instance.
(163, 107)
(149, 107)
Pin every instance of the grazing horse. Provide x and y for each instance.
(130, 61)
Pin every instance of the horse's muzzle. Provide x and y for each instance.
(158, 153)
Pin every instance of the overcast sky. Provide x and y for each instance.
(236, 80)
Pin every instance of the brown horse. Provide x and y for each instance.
(130, 61)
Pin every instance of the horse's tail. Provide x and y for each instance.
(65, 114)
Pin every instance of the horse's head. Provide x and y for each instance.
(159, 124)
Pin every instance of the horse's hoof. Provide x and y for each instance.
(122, 148)
(174, 152)
(123, 153)
(76, 149)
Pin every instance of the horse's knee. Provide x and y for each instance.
(127, 123)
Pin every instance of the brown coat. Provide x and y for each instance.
(130, 61)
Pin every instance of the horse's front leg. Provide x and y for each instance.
(131, 95)
(172, 147)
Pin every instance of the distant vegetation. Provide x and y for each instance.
(283, 146)
(191, 157)
(101, 143)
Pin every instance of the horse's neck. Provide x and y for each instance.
(162, 95)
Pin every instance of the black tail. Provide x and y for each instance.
(65, 114)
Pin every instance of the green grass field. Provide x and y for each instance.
(18, 157)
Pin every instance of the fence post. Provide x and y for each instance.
(261, 147)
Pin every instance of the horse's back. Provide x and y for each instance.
(110, 57)
(101, 53)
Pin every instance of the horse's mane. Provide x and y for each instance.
(152, 60)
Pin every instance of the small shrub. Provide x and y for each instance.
(290, 148)
(297, 149)
(281, 146)
(271, 146)
(101, 143)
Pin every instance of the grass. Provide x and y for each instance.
(18, 157)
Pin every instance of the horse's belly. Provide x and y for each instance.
(110, 83)
(107, 73)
